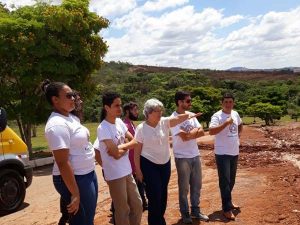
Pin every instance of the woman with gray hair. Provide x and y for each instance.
(152, 157)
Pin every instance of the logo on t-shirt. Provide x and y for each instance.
(186, 126)
(233, 129)
(119, 138)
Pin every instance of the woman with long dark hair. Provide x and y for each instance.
(74, 159)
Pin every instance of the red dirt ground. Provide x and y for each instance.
(267, 187)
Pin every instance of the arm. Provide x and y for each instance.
(181, 118)
(113, 150)
(137, 156)
(218, 129)
(61, 157)
(129, 145)
(240, 128)
(193, 134)
(98, 157)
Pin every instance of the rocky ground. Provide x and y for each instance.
(267, 186)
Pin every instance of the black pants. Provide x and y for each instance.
(156, 178)
(227, 166)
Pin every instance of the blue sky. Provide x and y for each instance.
(215, 34)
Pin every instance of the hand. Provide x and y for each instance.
(195, 115)
(73, 207)
(139, 175)
(229, 120)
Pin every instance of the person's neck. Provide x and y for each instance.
(110, 119)
(151, 123)
(180, 110)
(127, 118)
(227, 111)
(62, 112)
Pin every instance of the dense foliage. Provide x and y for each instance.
(269, 97)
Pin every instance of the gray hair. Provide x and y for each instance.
(150, 105)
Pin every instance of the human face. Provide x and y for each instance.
(115, 110)
(134, 113)
(186, 104)
(155, 115)
(78, 103)
(227, 105)
(64, 102)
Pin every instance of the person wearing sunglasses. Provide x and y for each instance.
(74, 177)
(187, 159)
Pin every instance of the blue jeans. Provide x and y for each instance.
(88, 188)
(189, 177)
(156, 178)
(227, 167)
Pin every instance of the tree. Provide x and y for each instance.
(38, 42)
(265, 111)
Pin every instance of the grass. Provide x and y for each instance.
(39, 142)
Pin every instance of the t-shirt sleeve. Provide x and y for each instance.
(103, 133)
(239, 120)
(196, 123)
(124, 126)
(175, 130)
(214, 122)
(96, 144)
(139, 134)
(58, 137)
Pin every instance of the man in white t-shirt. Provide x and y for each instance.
(187, 159)
(226, 125)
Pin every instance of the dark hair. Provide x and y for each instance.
(181, 95)
(77, 112)
(227, 95)
(107, 99)
(128, 106)
(51, 89)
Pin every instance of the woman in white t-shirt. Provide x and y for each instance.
(111, 134)
(152, 157)
(74, 159)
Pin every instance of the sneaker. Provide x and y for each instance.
(200, 216)
(186, 218)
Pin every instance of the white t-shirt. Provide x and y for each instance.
(184, 149)
(155, 141)
(227, 141)
(113, 168)
(67, 132)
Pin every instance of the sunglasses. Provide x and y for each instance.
(70, 95)
(188, 101)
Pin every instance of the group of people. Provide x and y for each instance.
(136, 160)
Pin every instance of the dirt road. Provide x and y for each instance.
(267, 186)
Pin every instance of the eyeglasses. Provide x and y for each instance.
(70, 95)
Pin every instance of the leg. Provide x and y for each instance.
(223, 165)
(184, 172)
(118, 193)
(233, 169)
(195, 184)
(141, 188)
(165, 173)
(134, 201)
(64, 212)
(88, 187)
(153, 190)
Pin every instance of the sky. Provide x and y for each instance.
(198, 34)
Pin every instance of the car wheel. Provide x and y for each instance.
(12, 190)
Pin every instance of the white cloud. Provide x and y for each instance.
(109, 8)
(160, 5)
